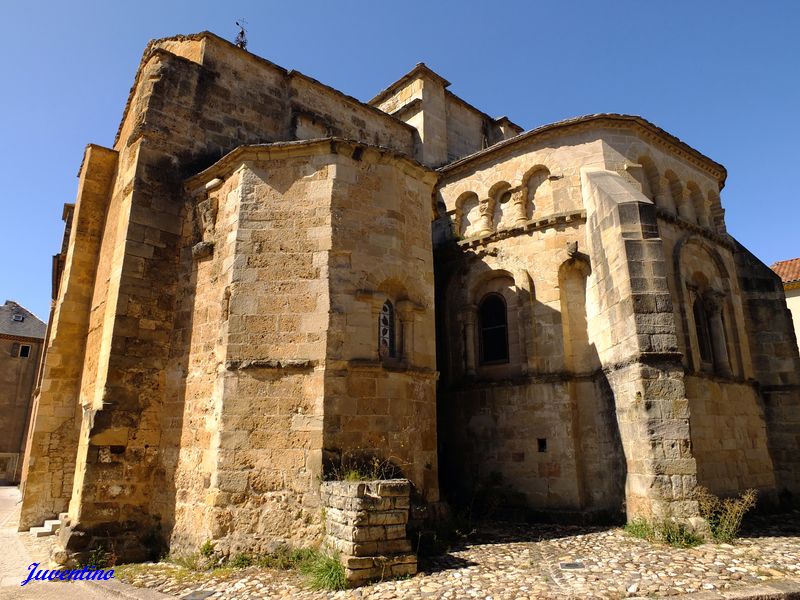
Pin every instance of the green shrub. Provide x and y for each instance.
(242, 561)
(98, 558)
(354, 475)
(324, 572)
(724, 516)
(207, 549)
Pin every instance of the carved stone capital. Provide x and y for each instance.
(712, 301)
(572, 249)
(486, 208)
(207, 217)
(469, 313)
(202, 250)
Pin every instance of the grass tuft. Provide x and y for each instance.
(324, 572)
(241, 561)
(640, 528)
(665, 531)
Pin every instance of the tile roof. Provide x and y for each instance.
(30, 325)
(787, 270)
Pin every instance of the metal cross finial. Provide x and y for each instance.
(241, 37)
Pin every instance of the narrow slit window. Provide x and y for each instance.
(386, 331)
(493, 330)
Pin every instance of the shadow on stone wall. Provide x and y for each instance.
(540, 445)
(167, 496)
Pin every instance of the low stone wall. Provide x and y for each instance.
(365, 523)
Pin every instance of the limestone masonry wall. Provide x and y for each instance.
(269, 437)
(198, 352)
(383, 405)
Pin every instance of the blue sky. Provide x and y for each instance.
(723, 76)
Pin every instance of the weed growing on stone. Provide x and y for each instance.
(354, 475)
(241, 561)
(287, 558)
(191, 562)
(664, 531)
(677, 535)
(640, 528)
(97, 558)
(361, 466)
(724, 516)
(325, 572)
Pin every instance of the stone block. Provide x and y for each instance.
(394, 488)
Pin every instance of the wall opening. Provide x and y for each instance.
(493, 327)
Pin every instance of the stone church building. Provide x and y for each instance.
(264, 275)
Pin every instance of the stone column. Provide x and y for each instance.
(664, 197)
(686, 210)
(375, 335)
(518, 198)
(485, 224)
(642, 363)
(713, 302)
(468, 317)
(405, 314)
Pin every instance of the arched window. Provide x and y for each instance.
(493, 329)
(703, 331)
(386, 331)
(540, 200)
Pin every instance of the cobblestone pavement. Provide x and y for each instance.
(502, 562)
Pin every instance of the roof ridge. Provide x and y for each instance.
(30, 312)
(637, 119)
(153, 47)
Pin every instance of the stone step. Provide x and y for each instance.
(50, 527)
(40, 532)
(53, 524)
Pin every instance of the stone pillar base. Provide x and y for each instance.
(365, 524)
(119, 542)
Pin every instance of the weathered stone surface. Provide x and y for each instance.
(370, 538)
(249, 301)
